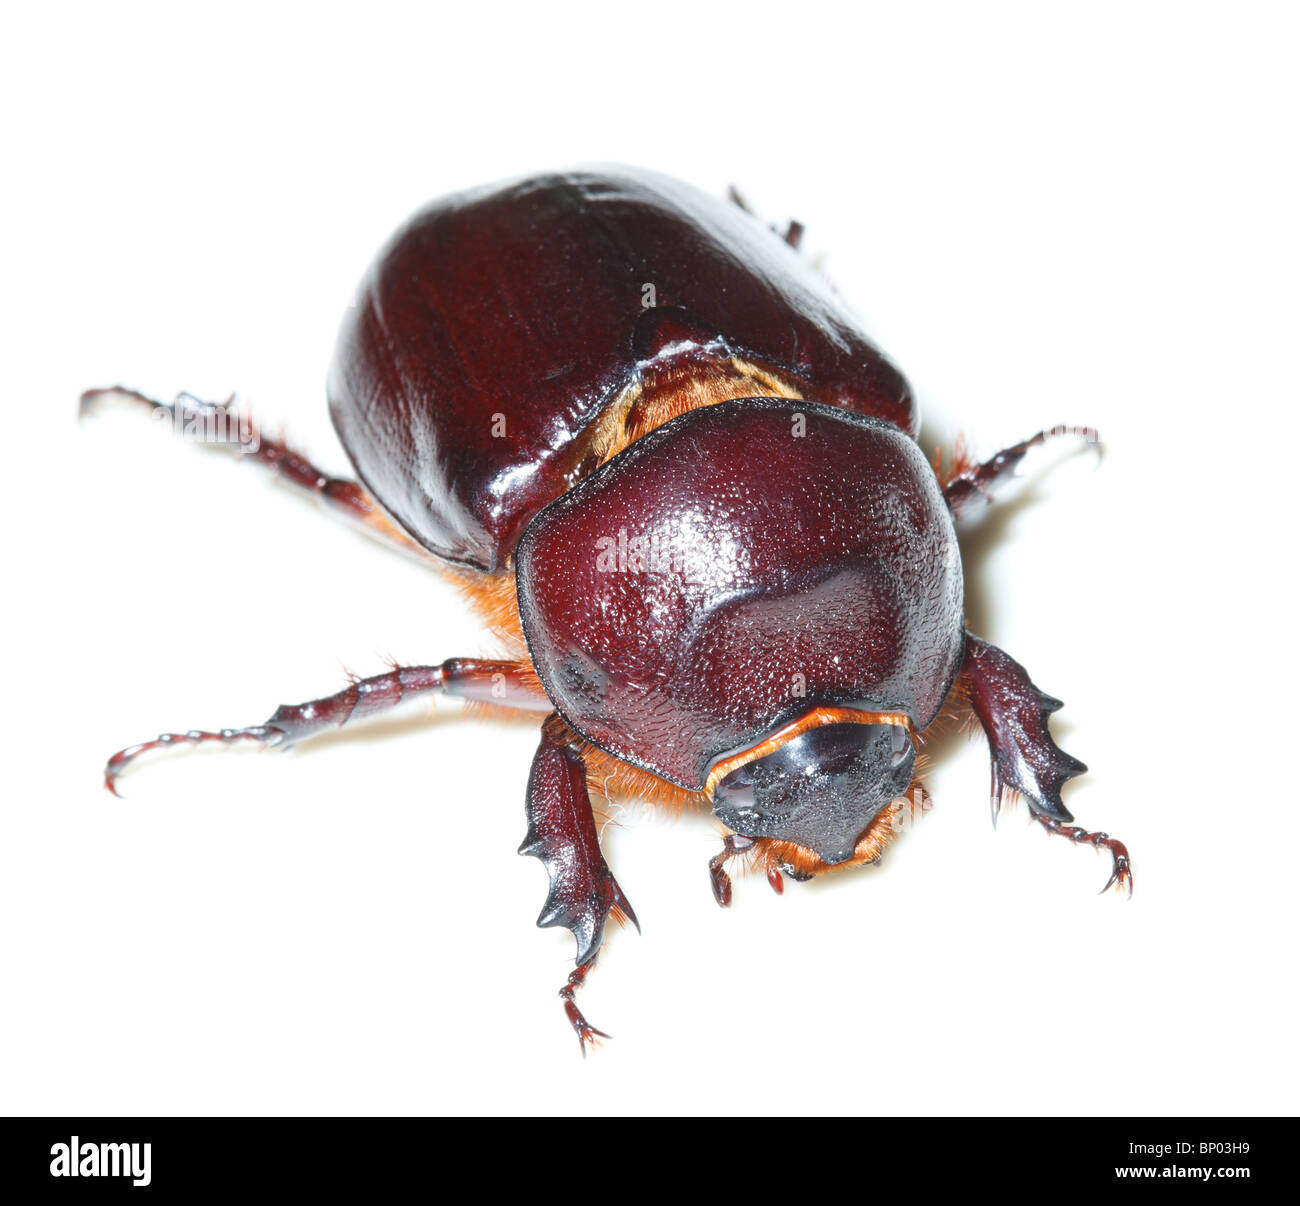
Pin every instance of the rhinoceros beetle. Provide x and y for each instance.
(648, 439)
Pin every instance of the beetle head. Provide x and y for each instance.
(821, 789)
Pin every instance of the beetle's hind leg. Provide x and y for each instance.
(1025, 759)
(967, 482)
(793, 232)
(562, 834)
(220, 425)
(505, 683)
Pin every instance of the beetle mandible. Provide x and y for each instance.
(652, 444)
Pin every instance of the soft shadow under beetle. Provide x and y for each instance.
(657, 452)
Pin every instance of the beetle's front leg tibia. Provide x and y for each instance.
(971, 482)
(562, 833)
(506, 683)
(1014, 714)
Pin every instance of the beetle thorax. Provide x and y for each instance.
(743, 564)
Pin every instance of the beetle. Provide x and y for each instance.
(651, 443)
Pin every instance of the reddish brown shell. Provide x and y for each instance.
(738, 566)
(499, 325)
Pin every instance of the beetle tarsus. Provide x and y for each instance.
(1121, 875)
(588, 1035)
(979, 481)
(123, 758)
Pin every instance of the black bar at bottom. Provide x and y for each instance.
(360, 1157)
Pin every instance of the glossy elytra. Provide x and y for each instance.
(655, 449)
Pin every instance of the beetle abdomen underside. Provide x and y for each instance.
(499, 326)
(741, 564)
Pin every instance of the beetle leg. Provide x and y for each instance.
(501, 683)
(793, 232)
(1025, 759)
(732, 844)
(586, 1032)
(737, 198)
(1121, 874)
(1014, 714)
(976, 481)
(562, 833)
(220, 426)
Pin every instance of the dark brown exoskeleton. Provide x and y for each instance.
(647, 437)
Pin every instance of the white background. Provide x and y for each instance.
(1081, 213)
